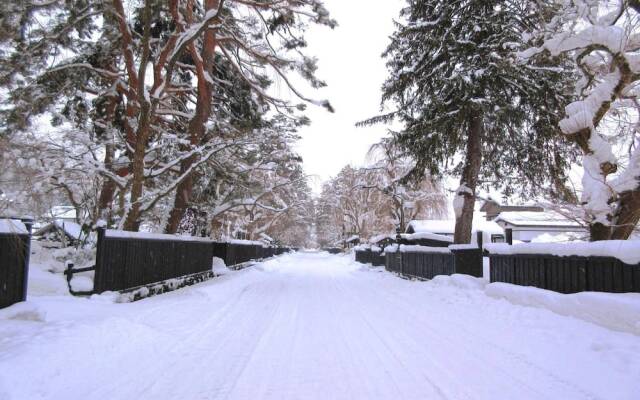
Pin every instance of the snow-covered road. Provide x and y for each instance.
(311, 326)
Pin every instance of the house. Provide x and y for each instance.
(65, 233)
(491, 231)
(352, 241)
(529, 225)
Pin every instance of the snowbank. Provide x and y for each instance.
(627, 251)
(13, 226)
(617, 311)
(458, 281)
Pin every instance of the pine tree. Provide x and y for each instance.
(153, 89)
(460, 93)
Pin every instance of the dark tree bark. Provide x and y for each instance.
(197, 125)
(627, 216)
(469, 177)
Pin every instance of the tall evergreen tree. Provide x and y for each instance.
(461, 94)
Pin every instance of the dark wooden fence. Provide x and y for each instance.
(14, 265)
(128, 261)
(239, 253)
(426, 265)
(332, 250)
(368, 256)
(570, 274)
(124, 262)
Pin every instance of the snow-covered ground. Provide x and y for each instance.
(312, 326)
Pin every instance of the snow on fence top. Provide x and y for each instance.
(463, 246)
(365, 247)
(13, 226)
(415, 249)
(242, 241)
(627, 251)
(152, 236)
(427, 235)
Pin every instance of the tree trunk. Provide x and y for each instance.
(132, 220)
(599, 231)
(197, 125)
(627, 216)
(469, 179)
(108, 188)
(180, 203)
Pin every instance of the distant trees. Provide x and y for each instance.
(153, 101)
(373, 200)
(468, 107)
(603, 41)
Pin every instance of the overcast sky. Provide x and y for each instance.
(350, 63)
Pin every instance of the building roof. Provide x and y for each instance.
(352, 238)
(63, 212)
(448, 226)
(537, 219)
(71, 229)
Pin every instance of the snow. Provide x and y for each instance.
(447, 226)
(463, 246)
(243, 241)
(423, 249)
(317, 326)
(153, 236)
(378, 238)
(72, 229)
(617, 311)
(458, 199)
(13, 226)
(427, 235)
(627, 251)
(557, 238)
(536, 218)
(63, 212)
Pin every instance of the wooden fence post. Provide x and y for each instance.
(28, 223)
(509, 235)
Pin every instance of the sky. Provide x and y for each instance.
(350, 63)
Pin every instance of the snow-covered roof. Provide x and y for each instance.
(63, 212)
(448, 226)
(352, 238)
(532, 218)
(377, 238)
(71, 229)
(13, 226)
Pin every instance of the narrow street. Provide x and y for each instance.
(311, 326)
